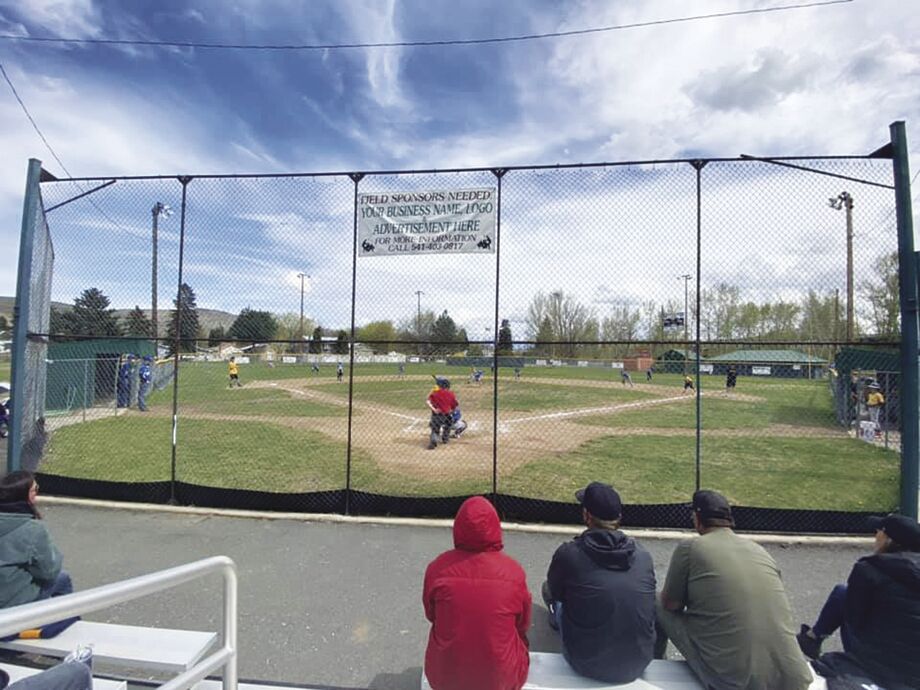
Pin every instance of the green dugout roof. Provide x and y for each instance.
(767, 356)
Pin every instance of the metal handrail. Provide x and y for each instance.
(35, 614)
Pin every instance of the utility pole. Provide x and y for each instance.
(301, 276)
(159, 209)
(686, 278)
(844, 200)
(418, 318)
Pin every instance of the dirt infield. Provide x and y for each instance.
(397, 439)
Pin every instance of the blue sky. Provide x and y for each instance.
(823, 80)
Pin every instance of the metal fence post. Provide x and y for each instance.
(85, 387)
(356, 178)
(907, 277)
(21, 315)
(177, 341)
(499, 174)
(698, 165)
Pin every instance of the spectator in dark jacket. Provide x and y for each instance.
(477, 600)
(600, 591)
(877, 612)
(30, 564)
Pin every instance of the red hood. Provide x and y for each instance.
(476, 527)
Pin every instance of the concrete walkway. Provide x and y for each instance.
(335, 605)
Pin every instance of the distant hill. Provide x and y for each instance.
(208, 318)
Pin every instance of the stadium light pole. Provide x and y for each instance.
(159, 209)
(686, 278)
(844, 200)
(418, 318)
(301, 276)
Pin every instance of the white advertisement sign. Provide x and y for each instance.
(289, 360)
(451, 221)
(760, 371)
(706, 368)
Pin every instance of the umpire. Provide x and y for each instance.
(442, 403)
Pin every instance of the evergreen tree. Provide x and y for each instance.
(59, 322)
(216, 336)
(463, 339)
(252, 325)
(137, 323)
(316, 343)
(544, 337)
(185, 328)
(443, 333)
(341, 343)
(90, 316)
(505, 338)
(4, 324)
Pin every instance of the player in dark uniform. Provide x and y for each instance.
(442, 402)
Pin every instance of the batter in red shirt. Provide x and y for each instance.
(441, 402)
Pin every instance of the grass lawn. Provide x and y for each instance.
(4, 371)
(754, 470)
(801, 403)
(819, 474)
(246, 455)
(512, 396)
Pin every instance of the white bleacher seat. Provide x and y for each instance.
(217, 685)
(19, 672)
(552, 672)
(126, 645)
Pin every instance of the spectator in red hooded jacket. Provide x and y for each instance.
(477, 600)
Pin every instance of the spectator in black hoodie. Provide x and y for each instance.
(877, 612)
(600, 591)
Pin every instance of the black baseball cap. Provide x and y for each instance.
(902, 529)
(601, 500)
(711, 504)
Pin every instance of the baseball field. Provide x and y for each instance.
(769, 443)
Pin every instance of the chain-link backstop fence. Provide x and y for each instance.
(729, 324)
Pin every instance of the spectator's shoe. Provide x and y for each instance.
(809, 643)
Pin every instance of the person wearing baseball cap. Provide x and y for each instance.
(725, 608)
(600, 591)
(877, 611)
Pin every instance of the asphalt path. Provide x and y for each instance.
(335, 605)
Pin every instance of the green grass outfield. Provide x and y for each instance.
(783, 450)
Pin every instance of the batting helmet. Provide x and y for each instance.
(441, 381)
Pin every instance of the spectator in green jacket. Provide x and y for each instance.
(30, 564)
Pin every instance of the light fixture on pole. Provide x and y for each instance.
(844, 201)
(159, 209)
(301, 276)
(686, 278)
(418, 318)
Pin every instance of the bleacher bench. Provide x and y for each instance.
(158, 649)
(19, 672)
(552, 672)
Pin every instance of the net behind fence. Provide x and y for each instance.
(728, 324)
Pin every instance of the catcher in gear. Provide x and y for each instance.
(442, 402)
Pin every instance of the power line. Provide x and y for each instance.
(414, 44)
(51, 149)
(32, 120)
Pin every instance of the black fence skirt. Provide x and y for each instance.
(510, 508)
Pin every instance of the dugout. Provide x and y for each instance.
(85, 372)
(670, 362)
(854, 368)
(786, 364)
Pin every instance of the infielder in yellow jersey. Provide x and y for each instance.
(234, 372)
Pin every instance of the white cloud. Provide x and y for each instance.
(373, 21)
(71, 18)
